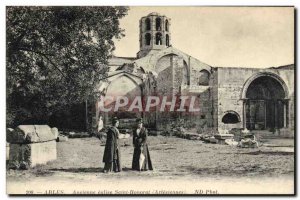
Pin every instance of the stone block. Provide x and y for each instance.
(62, 138)
(224, 136)
(248, 143)
(79, 135)
(192, 136)
(213, 140)
(24, 156)
(231, 142)
(31, 134)
(54, 130)
(124, 136)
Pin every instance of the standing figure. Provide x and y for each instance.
(111, 156)
(100, 124)
(100, 127)
(141, 157)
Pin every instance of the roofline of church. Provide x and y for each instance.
(217, 67)
(277, 67)
(113, 73)
(130, 58)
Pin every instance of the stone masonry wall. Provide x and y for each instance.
(230, 85)
(164, 88)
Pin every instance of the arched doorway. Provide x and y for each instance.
(265, 103)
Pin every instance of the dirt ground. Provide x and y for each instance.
(173, 159)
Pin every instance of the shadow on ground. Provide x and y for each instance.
(85, 170)
(238, 171)
(79, 170)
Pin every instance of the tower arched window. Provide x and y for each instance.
(158, 24)
(167, 40)
(148, 24)
(147, 39)
(167, 25)
(158, 39)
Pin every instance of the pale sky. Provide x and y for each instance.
(221, 36)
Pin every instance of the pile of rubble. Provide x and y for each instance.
(236, 137)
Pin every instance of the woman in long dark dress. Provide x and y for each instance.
(140, 135)
(111, 157)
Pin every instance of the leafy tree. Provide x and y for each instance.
(55, 57)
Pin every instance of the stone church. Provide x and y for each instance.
(233, 97)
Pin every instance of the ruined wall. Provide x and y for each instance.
(171, 80)
(149, 118)
(203, 91)
(164, 87)
(231, 83)
(287, 74)
(204, 98)
(204, 117)
(214, 97)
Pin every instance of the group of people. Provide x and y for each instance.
(112, 153)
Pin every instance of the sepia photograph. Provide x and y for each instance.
(150, 100)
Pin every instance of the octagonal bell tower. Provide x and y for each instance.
(154, 33)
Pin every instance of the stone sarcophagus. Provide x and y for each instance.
(31, 145)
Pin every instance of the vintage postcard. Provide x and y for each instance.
(118, 100)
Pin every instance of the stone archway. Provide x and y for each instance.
(119, 85)
(265, 102)
(231, 117)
